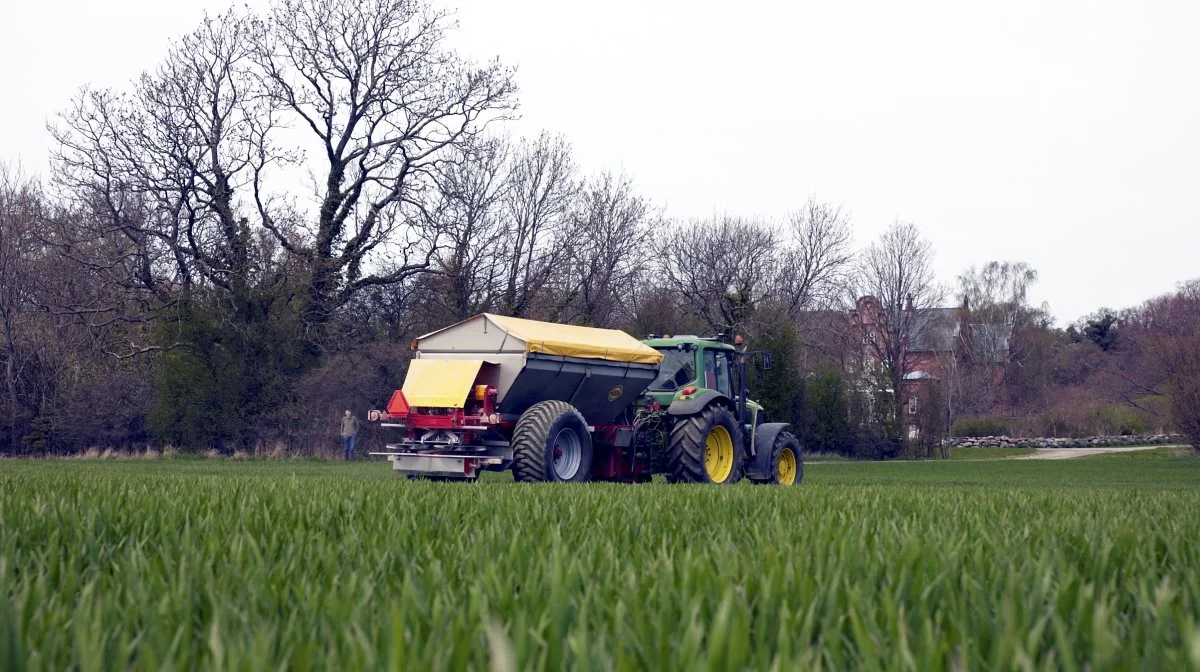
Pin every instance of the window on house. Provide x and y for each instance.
(912, 405)
(914, 432)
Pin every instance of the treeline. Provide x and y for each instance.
(245, 241)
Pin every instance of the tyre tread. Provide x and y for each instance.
(531, 436)
(685, 450)
(780, 440)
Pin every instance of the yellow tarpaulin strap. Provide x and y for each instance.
(568, 340)
(440, 383)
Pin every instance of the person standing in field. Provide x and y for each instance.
(349, 432)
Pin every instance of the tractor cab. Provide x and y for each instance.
(693, 366)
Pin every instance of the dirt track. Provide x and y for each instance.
(1068, 453)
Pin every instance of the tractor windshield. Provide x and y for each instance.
(678, 368)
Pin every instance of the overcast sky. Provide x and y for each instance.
(1065, 134)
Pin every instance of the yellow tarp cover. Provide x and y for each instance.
(440, 383)
(567, 340)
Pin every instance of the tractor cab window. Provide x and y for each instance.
(716, 372)
(678, 369)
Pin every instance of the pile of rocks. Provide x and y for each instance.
(1049, 442)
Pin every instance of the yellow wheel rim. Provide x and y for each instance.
(718, 455)
(785, 470)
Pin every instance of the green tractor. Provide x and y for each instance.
(556, 402)
(713, 432)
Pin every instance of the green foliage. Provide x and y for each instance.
(1117, 420)
(301, 565)
(1095, 418)
(220, 376)
(826, 427)
(930, 421)
(779, 389)
(39, 439)
(815, 405)
(1101, 329)
(974, 427)
(877, 430)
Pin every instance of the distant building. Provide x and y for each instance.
(935, 346)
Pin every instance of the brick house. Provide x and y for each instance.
(935, 347)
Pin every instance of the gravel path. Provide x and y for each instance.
(1068, 453)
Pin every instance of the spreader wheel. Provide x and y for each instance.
(551, 442)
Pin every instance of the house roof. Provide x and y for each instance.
(938, 330)
(933, 330)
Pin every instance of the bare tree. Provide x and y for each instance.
(386, 99)
(999, 289)
(181, 169)
(728, 269)
(995, 316)
(1157, 359)
(1175, 345)
(46, 348)
(722, 268)
(175, 167)
(896, 272)
(819, 258)
(607, 242)
(474, 239)
(996, 297)
(538, 205)
(20, 210)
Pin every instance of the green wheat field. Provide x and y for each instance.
(187, 563)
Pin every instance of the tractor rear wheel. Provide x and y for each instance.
(786, 466)
(551, 442)
(705, 448)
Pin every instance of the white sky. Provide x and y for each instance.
(1065, 134)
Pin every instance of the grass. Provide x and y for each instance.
(305, 565)
(988, 453)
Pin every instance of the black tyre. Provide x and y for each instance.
(705, 448)
(551, 442)
(786, 463)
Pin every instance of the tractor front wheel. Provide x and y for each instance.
(705, 448)
(786, 464)
(551, 442)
